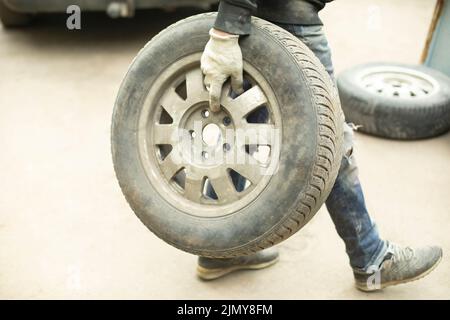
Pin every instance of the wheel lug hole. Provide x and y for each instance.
(226, 121)
(205, 113)
(226, 147)
(192, 134)
(205, 155)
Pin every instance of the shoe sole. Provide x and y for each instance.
(212, 274)
(397, 282)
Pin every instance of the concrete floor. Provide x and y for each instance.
(66, 230)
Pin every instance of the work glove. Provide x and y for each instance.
(221, 59)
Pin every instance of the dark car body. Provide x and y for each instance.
(41, 6)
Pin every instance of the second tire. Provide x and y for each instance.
(397, 101)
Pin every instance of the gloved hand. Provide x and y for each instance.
(221, 59)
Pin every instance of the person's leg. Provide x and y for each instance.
(346, 201)
(348, 211)
(376, 263)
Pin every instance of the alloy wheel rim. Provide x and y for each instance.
(199, 173)
(398, 82)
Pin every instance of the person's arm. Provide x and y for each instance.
(234, 16)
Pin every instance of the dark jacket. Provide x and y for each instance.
(234, 15)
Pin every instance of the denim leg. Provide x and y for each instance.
(345, 203)
(348, 211)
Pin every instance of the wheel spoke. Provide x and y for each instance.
(194, 84)
(224, 188)
(164, 133)
(248, 101)
(173, 104)
(171, 165)
(193, 188)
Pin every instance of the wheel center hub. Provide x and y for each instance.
(207, 140)
(211, 135)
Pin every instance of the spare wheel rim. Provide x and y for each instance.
(398, 82)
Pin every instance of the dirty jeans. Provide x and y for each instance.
(345, 203)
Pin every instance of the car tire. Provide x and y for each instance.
(309, 150)
(397, 101)
(11, 19)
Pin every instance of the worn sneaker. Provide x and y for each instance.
(210, 269)
(400, 265)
